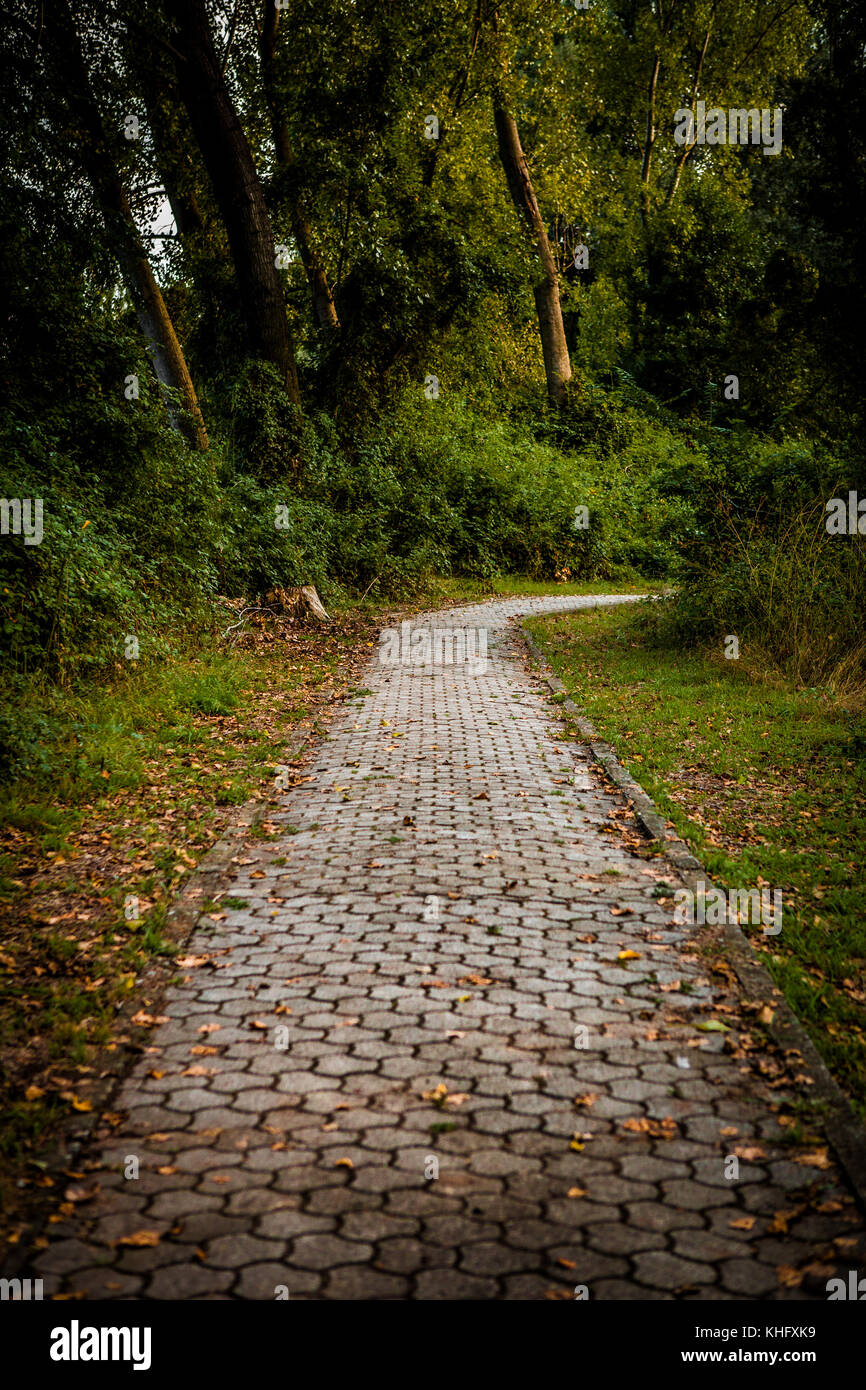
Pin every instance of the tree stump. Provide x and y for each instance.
(299, 605)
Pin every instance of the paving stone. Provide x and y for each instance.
(623, 1291)
(232, 1251)
(618, 1239)
(451, 1284)
(185, 1281)
(748, 1278)
(101, 1283)
(65, 1255)
(664, 1271)
(489, 1257)
(459, 859)
(406, 1255)
(356, 1282)
(323, 1251)
(262, 1281)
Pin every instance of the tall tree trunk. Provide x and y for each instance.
(169, 362)
(238, 192)
(173, 161)
(557, 366)
(665, 23)
(323, 299)
(696, 87)
(649, 139)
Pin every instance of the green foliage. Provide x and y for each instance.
(698, 268)
(762, 565)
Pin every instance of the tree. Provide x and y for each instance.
(236, 187)
(323, 299)
(94, 151)
(557, 365)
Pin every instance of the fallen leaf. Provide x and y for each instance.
(656, 1129)
(81, 1192)
(140, 1238)
(818, 1158)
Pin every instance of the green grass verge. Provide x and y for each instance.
(766, 784)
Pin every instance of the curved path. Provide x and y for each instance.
(374, 1094)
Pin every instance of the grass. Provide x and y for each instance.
(463, 590)
(119, 789)
(765, 782)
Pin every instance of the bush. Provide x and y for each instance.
(761, 564)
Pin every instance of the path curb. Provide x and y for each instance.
(844, 1132)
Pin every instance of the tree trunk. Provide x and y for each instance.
(650, 137)
(323, 299)
(173, 161)
(687, 149)
(557, 366)
(99, 165)
(156, 325)
(236, 187)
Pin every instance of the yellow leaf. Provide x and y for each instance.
(818, 1159)
(140, 1238)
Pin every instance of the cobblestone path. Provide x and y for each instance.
(443, 912)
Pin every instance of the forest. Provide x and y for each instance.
(415, 304)
(353, 295)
